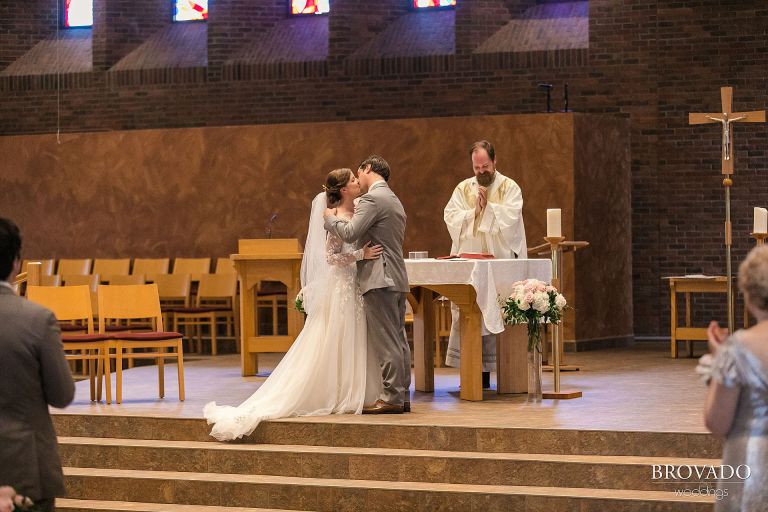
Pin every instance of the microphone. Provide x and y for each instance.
(268, 230)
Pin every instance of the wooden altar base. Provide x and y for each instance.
(502, 453)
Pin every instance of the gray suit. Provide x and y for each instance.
(380, 218)
(33, 374)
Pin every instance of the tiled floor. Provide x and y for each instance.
(631, 389)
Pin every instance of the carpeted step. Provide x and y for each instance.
(323, 494)
(69, 505)
(550, 470)
(406, 436)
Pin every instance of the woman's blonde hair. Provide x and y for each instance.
(753, 277)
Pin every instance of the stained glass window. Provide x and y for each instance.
(190, 10)
(420, 4)
(78, 13)
(310, 6)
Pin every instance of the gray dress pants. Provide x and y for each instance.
(385, 314)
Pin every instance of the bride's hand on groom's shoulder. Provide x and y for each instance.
(329, 212)
(371, 252)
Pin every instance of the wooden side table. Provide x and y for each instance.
(688, 285)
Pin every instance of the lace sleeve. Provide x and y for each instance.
(725, 366)
(334, 254)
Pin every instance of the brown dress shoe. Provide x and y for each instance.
(382, 407)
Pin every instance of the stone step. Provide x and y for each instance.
(547, 470)
(401, 434)
(70, 505)
(322, 494)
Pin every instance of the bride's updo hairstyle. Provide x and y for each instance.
(753, 277)
(336, 180)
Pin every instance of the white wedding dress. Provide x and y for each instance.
(325, 370)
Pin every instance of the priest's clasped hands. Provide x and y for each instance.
(482, 200)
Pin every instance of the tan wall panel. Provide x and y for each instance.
(196, 191)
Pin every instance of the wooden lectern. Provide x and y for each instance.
(266, 260)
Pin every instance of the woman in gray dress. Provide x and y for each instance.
(737, 400)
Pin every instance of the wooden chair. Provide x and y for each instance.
(150, 266)
(68, 267)
(140, 302)
(109, 268)
(442, 328)
(46, 266)
(73, 303)
(215, 301)
(195, 267)
(30, 277)
(129, 325)
(118, 280)
(174, 290)
(225, 266)
(50, 280)
(91, 281)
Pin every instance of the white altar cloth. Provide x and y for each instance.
(489, 278)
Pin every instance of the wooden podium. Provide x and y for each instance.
(266, 260)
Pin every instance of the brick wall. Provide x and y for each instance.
(650, 61)
(24, 23)
(237, 22)
(119, 26)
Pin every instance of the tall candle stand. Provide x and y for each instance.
(557, 331)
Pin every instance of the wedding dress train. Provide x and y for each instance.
(325, 370)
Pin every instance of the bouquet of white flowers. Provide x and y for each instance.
(298, 302)
(534, 303)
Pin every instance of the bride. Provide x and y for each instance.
(324, 372)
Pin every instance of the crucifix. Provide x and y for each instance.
(726, 118)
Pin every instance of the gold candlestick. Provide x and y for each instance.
(557, 331)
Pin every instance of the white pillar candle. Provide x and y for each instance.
(761, 221)
(554, 228)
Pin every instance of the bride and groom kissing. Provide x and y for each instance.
(352, 355)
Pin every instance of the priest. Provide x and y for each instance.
(484, 215)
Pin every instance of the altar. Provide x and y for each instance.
(475, 286)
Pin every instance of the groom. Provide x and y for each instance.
(380, 218)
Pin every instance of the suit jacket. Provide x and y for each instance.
(33, 374)
(379, 218)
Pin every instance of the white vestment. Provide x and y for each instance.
(498, 230)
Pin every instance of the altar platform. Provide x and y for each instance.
(632, 388)
(594, 453)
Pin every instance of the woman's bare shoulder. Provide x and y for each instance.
(755, 340)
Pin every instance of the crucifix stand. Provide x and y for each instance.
(726, 118)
